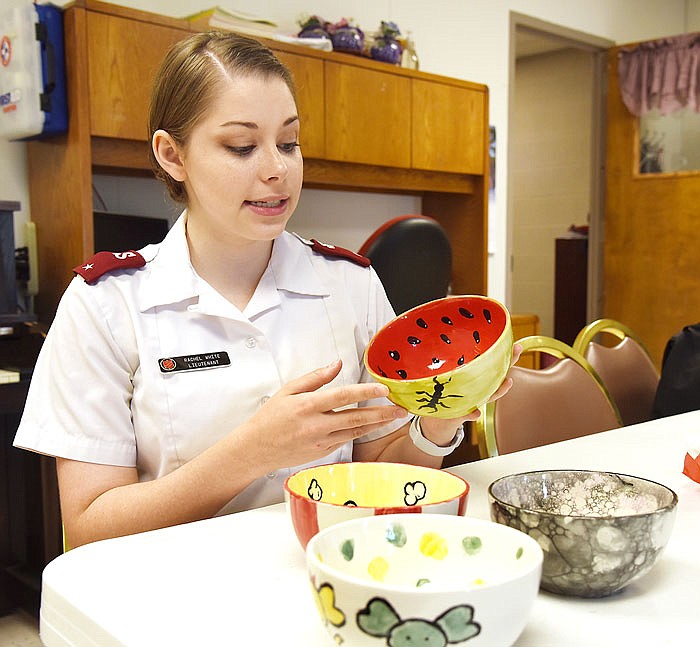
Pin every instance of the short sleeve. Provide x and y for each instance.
(78, 405)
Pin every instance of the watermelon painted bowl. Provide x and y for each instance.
(423, 579)
(443, 358)
(321, 496)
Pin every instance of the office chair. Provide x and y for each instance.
(413, 257)
(564, 400)
(626, 368)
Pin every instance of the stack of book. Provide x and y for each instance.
(250, 25)
(238, 21)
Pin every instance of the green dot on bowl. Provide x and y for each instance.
(421, 581)
(471, 545)
(396, 534)
(347, 548)
(519, 553)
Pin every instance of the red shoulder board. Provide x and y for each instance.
(104, 262)
(339, 252)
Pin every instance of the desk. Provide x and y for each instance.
(240, 580)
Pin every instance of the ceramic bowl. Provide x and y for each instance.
(320, 496)
(428, 580)
(443, 358)
(599, 530)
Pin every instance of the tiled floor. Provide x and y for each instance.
(19, 629)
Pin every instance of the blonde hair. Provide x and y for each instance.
(188, 78)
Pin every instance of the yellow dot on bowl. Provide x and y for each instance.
(433, 545)
(478, 582)
(378, 568)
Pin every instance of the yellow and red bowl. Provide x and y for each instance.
(321, 496)
(444, 358)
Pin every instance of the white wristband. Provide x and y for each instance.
(429, 447)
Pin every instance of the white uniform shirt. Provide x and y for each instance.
(98, 393)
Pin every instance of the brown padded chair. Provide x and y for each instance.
(626, 368)
(564, 400)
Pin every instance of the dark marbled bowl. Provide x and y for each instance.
(599, 530)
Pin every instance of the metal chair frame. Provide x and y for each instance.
(616, 328)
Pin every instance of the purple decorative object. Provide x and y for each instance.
(386, 47)
(314, 27)
(389, 51)
(346, 37)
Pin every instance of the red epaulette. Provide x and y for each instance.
(339, 252)
(104, 262)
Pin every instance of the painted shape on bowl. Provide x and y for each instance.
(426, 559)
(443, 358)
(599, 530)
(327, 494)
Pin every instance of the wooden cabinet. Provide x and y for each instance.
(123, 57)
(366, 126)
(448, 127)
(309, 82)
(368, 116)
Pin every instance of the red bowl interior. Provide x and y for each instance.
(436, 337)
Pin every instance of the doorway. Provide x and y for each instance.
(556, 149)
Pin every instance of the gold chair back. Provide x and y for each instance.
(626, 368)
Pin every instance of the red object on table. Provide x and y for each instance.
(691, 467)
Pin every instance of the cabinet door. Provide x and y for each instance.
(308, 78)
(448, 128)
(368, 116)
(123, 56)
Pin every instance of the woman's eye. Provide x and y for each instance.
(289, 147)
(241, 151)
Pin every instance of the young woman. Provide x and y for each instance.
(192, 378)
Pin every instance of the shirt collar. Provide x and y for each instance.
(293, 268)
(171, 278)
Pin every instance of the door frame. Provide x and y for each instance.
(597, 47)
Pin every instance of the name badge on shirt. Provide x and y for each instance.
(194, 362)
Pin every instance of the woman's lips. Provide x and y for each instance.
(268, 207)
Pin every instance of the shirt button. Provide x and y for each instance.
(264, 399)
(271, 475)
(250, 342)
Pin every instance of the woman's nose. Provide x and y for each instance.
(274, 165)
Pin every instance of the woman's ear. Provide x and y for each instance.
(169, 155)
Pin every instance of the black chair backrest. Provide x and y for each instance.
(679, 386)
(413, 258)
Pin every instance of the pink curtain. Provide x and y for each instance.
(663, 74)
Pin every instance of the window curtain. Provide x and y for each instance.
(663, 74)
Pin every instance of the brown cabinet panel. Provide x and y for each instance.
(367, 116)
(308, 78)
(123, 56)
(447, 128)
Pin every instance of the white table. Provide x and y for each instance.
(241, 579)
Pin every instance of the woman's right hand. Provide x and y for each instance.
(303, 422)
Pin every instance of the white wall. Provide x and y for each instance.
(467, 39)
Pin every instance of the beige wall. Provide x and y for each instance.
(550, 173)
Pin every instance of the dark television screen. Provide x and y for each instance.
(119, 233)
